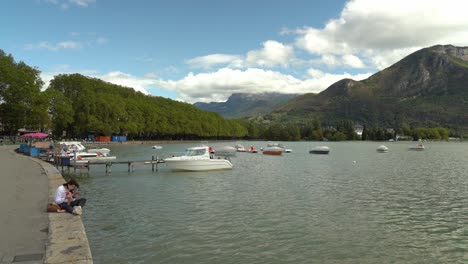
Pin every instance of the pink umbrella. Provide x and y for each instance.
(35, 135)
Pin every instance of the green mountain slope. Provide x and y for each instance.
(426, 88)
(245, 105)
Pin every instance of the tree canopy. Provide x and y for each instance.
(21, 102)
(80, 104)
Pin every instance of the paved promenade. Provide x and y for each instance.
(28, 234)
(23, 219)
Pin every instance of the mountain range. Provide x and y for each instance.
(427, 88)
(240, 105)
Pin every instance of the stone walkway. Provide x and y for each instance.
(24, 190)
(28, 234)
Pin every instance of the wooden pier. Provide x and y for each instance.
(108, 163)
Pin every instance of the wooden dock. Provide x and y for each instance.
(86, 164)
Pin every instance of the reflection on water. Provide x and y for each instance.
(352, 206)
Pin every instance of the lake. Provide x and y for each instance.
(352, 206)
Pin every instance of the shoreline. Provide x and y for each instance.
(67, 241)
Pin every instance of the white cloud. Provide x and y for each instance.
(54, 47)
(329, 60)
(101, 40)
(273, 54)
(353, 61)
(127, 80)
(65, 45)
(140, 84)
(321, 80)
(218, 86)
(65, 4)
(387, 28)
(208, 61)
(82, 3)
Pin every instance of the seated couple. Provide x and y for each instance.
(65, 197)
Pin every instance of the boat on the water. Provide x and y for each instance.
(240, 148)
(226, 151)
(157, 147)
(197, 159)
(76, 151)
(320, 150)
(273, 151)
(252, 150)
(382, 149)
(417, 147)
(279, 145)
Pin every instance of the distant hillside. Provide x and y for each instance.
(426, 88)
(244, 105)
(82, 104)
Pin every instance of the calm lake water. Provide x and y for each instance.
(352, 206)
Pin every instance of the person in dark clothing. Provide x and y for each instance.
(65, 197)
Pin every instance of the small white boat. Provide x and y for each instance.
(240, 148)
(287, 150)
(320, 150)
(157, 147)
(197, 159)
(382, 149)
(273, 151)
(76, 151)
(417, 147)
(226, 151)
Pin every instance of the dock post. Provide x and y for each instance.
(129, 164)
(152, 163)
(157, 162)
(108, 167)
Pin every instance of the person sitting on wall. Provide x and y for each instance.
(65, 197)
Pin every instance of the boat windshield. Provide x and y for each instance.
(195, 152)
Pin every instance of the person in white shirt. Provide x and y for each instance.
(65, 197)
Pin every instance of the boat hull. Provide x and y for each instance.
(277, 153)
(319, 151)
(198, 165)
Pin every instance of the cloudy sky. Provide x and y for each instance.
(205, 50)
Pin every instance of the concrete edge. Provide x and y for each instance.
(67, 241)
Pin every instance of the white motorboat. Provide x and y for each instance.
(279, 145)
(320, 150)
(76, 151)
(226, 151)
(273, 151)
(198, 159)
(382, 149)
(240, 148)
(157, 147)
(417, 147)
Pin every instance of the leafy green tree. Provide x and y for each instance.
(21, 101)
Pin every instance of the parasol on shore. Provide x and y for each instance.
(35, 135)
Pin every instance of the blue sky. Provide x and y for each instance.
(206, 50)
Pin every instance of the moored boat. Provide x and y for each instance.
(273, 151)
(240, 148)
(382, 149)
(417, 147)
(76, 151)
(197, 159)
(226, 151)
(320, 150)
(252, 150)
